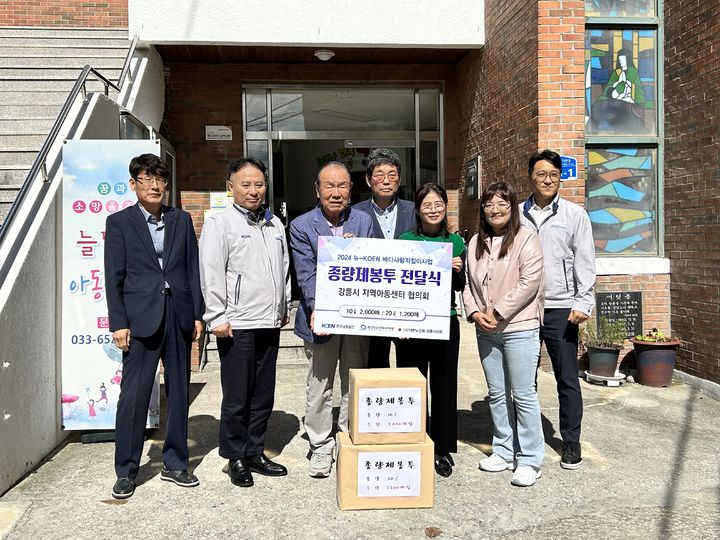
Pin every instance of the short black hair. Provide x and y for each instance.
(237, 164)
(382, 156)
(547, 155)
(150, 164)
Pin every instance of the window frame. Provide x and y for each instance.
(656, 142)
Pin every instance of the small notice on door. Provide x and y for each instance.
(218, 133)
(388, 474)
(389, 410)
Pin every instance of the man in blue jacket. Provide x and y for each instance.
(332, 217)
(155, 308)
(569, 256)
(391, 217)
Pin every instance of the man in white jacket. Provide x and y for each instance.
(244, 272)
(569, 258)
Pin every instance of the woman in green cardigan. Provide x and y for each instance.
(441, 356)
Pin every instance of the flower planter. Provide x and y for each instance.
(603, 360)
(655, 361)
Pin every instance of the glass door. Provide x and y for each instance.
(295, 130)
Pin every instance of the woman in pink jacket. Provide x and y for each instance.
(503, 296)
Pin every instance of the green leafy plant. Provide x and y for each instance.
(609, 334)
(655, 336)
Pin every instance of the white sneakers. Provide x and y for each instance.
(320, 465)
(495, 463)
(525, 476)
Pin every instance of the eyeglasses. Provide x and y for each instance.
(427, 208)
(488, 207)
(380, 177)
(152, 180)
(542, 175)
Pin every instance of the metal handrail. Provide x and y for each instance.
(39, 165)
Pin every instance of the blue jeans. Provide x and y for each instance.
(510, 361)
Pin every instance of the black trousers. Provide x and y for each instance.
(561, 339)
(441, 357)
(379, 351)
(172, 345)
(247, 375)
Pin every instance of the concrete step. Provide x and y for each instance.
(64, 33)
(115, 51)
(51, 74)
(13, 178)
(22, 143)
(57, 96)
(43, 42)
(7, 196)
(37, 86)
(29, 112)
(54, 62)
(17, 160)
(28, 126)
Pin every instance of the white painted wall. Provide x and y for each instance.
(330, 23)
(30, 409)
(145, 95)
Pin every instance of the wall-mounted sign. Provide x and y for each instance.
(221, 199)
(569, 168)
(472, 178)
(218, 133)
(621, 306)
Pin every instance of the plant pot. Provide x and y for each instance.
(603, 360)
(655, 361)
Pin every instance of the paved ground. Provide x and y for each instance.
(651, 471)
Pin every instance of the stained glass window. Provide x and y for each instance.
(620, 82)
(619, 8)
(621, 199)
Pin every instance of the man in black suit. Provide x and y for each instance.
(390, 218)
(155, 307)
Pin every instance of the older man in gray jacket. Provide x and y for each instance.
(569, 257)
(244, 271)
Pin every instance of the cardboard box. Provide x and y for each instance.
(373, 476)
(387, 406)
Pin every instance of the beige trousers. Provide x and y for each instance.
(323, 358)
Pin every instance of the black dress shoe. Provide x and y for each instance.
(123, 488)
(442, 466)
(239, 473)
(181, 478)
(262, 465)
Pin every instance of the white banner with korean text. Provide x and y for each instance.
(376, 287)
(95, 184)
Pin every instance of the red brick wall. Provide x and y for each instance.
(497, 101)
(74, 13)
(692, 180)
(561, 85)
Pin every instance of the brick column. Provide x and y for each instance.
(561, 107)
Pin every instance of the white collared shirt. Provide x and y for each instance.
(538, 214)
(386, 218)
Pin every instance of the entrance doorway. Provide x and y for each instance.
(295, 130)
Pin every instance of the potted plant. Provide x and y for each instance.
(604, 346)
(655, 357)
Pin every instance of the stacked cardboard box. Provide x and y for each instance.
(386, 460)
